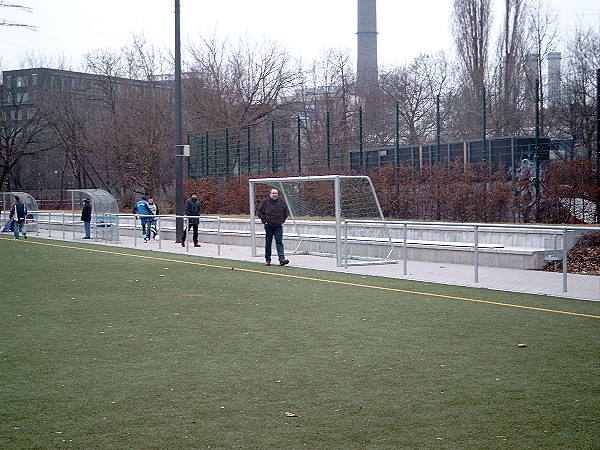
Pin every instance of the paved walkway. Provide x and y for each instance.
(585, 287)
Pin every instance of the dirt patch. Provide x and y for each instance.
(584, 257)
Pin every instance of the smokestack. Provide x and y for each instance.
(366, 67)
(554, 78)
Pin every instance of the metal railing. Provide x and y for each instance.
(110, 227)
(562, 231)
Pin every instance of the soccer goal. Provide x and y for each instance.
(331, 215)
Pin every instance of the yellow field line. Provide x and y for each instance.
(320, 280)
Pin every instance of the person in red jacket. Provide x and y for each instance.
(272, 212)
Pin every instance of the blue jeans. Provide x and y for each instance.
(146, 221)
(87, 226)
(277, 233)
(20, 225)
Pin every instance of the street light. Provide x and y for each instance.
(178, 130)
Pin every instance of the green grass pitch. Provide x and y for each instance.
(113, 349)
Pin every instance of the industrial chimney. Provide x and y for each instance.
(366, 67)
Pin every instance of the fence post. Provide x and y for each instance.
(328, 128)
(207, 148)
(239, 159)
(118, 232)
(360, 139)
(476, 262)
(299, 149)
(158, 229)
(437, 127)
(397, 148)
(345, 244)
(273, 158)
(227, 151)
(216, 158)
(565, 257)
(248, 150)
(186, 222)
(405, 249)
(483, 126)
(219, 236)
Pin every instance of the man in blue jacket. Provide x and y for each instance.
(18, 213)
(142, 209)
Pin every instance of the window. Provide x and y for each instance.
(22, 97)
(22, 81)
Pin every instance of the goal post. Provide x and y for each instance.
(319, 208)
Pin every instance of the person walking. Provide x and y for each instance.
(142, 209)
(18, 213)
(86, 217)
(273, 212)
(152, 222)
(192, 208)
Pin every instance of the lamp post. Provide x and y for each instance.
(178, 130)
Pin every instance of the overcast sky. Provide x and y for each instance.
(70, 28)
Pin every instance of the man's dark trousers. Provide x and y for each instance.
(277, 233)
(193, 226)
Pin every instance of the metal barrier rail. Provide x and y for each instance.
(58, 221)
(107, 226)
(562, 230)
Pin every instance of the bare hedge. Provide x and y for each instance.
(459, 192)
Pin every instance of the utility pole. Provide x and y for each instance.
(178, 130)
(537, 149)
(598, 144)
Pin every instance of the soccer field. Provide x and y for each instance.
(102, 347)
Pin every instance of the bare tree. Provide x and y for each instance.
(471, 25)
(508, 82)
(416, 88)
(9, 23)
(21, 135)
(142, 60)
(227, 86)
(327, 90)
(540, 42)
(68, 116)
(578, 109)
(133, 130)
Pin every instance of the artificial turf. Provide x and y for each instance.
(108, 350)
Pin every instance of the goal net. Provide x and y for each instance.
(332, 215)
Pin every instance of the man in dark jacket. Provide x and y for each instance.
(272, 212)
(18, 213)
(192, 208)
(86, 217)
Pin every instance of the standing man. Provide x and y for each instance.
(18, 213)
(142, 209)
(272, 212)
(192, 208)
(86, 217)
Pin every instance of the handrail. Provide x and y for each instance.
(476, 228)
